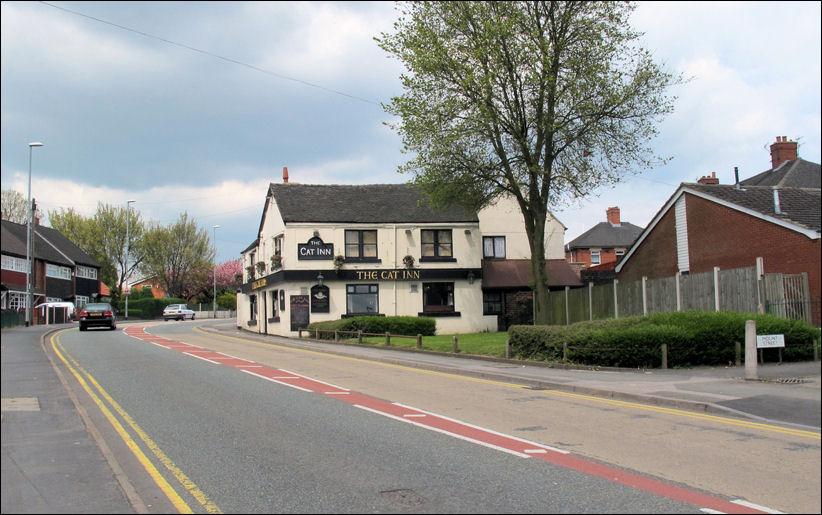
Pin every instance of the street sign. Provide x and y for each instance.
(770, 341)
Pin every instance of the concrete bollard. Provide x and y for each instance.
(750, 350)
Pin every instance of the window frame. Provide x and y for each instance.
(493, 240)
(373, 289)
(598, 257)
(361, 246)
(448, 307)
(486, 302)
(436, 245)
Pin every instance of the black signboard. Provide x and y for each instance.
(299, 312)
(319, 299)
(315, 249)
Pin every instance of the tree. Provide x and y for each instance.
(104, 238)
(544, 101)
(180, 256)
(14, 207)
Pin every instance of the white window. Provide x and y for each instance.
(493, 247)
(15, 264)
(86, 272)
(595, 257)
(80, 301)
(60, 272)
(17, 300)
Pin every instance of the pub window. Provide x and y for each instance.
(493, 247)
(491, 303)
(361, 244)
(252, 303)
(438, 297)
(362, 299)
(278, 245)
(274, 299)
(436, 243)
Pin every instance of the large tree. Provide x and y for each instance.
(103, 236)
(180, 256)
(544, 101)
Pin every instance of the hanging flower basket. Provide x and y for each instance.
(408, 261)
(276, 262)
(339, 261)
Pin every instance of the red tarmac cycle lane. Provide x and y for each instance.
(505, 443)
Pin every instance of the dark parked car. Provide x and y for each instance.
(99, 314)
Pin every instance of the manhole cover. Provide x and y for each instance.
(403, 496)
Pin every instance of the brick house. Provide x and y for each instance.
(774, 215)
(61, 271)
(604, 243)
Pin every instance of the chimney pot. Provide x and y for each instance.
(781, 151)
(285, 174)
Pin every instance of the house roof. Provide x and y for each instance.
(516, 273)
(367, 203)
(66, 246)
(14, 243)
(799, 207)
(796, 173)
(606, 235)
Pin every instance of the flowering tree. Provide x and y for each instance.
(227, 275)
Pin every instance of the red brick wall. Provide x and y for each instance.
(656, 255)
(584, 256)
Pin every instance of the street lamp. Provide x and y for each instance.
(215, 270)
(125, 272)
(28, 240)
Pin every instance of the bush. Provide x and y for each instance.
(147, 307)
(693, 338)
(408, 326)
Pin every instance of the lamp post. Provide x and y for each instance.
(215, 270)
(125, 271)
(28, 239)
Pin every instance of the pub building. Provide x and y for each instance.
(326, 252)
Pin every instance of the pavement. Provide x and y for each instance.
(46, 439)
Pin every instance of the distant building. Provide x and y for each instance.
(603, 244)
(61, 271)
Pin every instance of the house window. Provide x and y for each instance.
(493, 247)
(86, 272)
(438, 297)
(436, 243)
(15, 264)
(361, 245)
(80, 301)
(60, 272)
(278, 245)
(595, 260)
(17, 301)
(362, 299)
(491, 303)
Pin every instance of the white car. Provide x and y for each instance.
(177, 312)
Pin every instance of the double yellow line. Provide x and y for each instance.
(106, 404)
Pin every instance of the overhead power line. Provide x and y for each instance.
(228, 59)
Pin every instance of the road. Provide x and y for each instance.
(214, 423)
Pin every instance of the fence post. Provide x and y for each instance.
(616, 301)
(455, 348)
(678, 291)
(419, 341)
(716, 287)
(567, 318)
(387, 339)
(664, 355)
(336, 335)
(508, 348)
(644, 295)
(738, 353)
(359, 335)
(299, 332)
(760, 287)
(564, 353)
(590, 300)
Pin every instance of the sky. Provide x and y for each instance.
(196, 107)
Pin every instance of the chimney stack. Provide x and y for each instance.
(708, 180)
(285, 174)
(613, 215)
(781, 151)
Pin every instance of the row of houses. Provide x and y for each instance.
(61, 272)
(326, 252)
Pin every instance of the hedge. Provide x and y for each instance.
(408, 326)
(694, 338)
(147, 307)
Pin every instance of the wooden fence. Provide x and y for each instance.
(740, 289)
